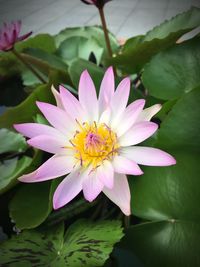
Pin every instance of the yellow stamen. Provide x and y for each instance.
(94, 143)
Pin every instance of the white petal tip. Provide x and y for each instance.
(56, 206)
(126, 211)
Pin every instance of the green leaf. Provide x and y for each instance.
(159, 193)
(132, 58)
(166, 244)
(90, 244)
(52, 60)
(79, 65)
(85, 244)
(33, 248)
(79, 47)
(11, 142)
(181, 127)
(31, 205)
(10, 170)
(94, 33)
(179, 68)
(25, 111)
(44, 42)
(169, 197)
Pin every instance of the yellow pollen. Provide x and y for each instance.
(93, 144)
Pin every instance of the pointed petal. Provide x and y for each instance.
(126, 166)
(148, 156)
(68, 189)
(72, 105)
(128, 117)
(120, 193)
(92, 186)
(105, 173)
(120, 98)
(57, 98)
(106, 89)
(34, 129)
(57, 118)
(87, 96)
(148, 113)
(54, 167)
(138, 133)
(48, 143)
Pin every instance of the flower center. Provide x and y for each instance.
(94, 143)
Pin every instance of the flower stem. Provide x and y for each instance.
(28, 65)
(126, 221)
(69, 211)
(103, 21)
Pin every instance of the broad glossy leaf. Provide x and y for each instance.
(44, 42)
(79, 65)
(25, 111)
(167, 193)
(174, 71)
(44, 63)
(33, 248)
(11, 141)
(181, 127)
(88, 32)
(133, 58)
(164, 243)
(54, 61)
(79, 47)
(31, 205)
(10, 170)
(84, 244)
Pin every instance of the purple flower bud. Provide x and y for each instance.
(97, 3)
(9, 35)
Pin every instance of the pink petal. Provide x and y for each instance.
(138, 133)
(148, 113)
(92, 186)
(68, 189)
(126, 166)
(33, 129)
(87, 96)
(148, 156)
(72, 105)
(23, 37)
(128, 117)
(105, 173)
(57, 118)
(106, 90)
(48, 143)
(54, 167)
(120, 193)
(57, 98)
(120, 98)
(17, 26)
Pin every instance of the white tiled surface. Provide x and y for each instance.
(125, 18)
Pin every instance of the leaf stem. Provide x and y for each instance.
(18, 56)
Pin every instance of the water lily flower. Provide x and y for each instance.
(94, 141)
(9, 35)
(97, 3)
